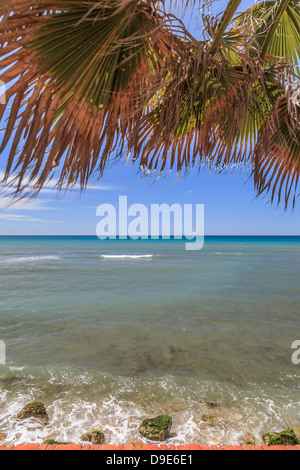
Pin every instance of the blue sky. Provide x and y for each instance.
(230, 201)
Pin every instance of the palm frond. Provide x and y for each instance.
(277, 154)
(78, 76)
(223, 24)
(275, 28)
(91, 80)
(210, 117)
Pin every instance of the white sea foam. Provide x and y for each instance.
(119, 416)
(118, 419)
(27, 259)
(127, 256)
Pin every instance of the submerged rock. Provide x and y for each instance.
(212, 404)
(156, 429)
(94, 437)
(177, 408)
(34, 410)
(285, 438)
(2, 436)
(249, 441)
(210, 419)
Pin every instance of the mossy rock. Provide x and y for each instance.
(94, 437)
(2, 436)
(267, 437)
(296, 431)
(34, 410)
(156, 429)
(284, 438)
(249, 441)
(51, 443)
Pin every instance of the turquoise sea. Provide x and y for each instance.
(106, 333)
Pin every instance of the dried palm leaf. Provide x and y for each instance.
(277, 154)
(91, 80)
(78, 76)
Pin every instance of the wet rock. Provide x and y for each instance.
(94, 436)
(34, 410)
(249, 441)
(132, 423)
(134, 442)
(296, 431)
(210, 419)
(214, 442)
(285, 438)
(52, 442)
(177, 408)
(156, 429)
(211, 404)
(236, 417)
(267, 437)
(2, 436)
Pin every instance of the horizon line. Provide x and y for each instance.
(149, 236)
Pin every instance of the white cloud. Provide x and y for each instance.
(7, 203)
(19, 218)
(14, 210)
(26, 218)
(52, 185)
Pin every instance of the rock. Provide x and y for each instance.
(51, 442)
(212, 404)
(296, 431)
(210, 419)
(236, 417)
(156, 429)
(267, 437)
(249, 441)
(177, 408)
(94, 437)
(135, 442)
(214, 442)
(285, 438)
(2, 436)
(34, 410)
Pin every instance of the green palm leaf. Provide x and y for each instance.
(276, 26)
(91, 55)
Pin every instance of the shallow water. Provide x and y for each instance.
(108, 333)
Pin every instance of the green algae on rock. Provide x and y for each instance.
(156, 429)
(94, 437)
(296, 431)
(34, 410)
(285, 438)
(51, 443)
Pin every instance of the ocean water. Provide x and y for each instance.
(107, 333)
